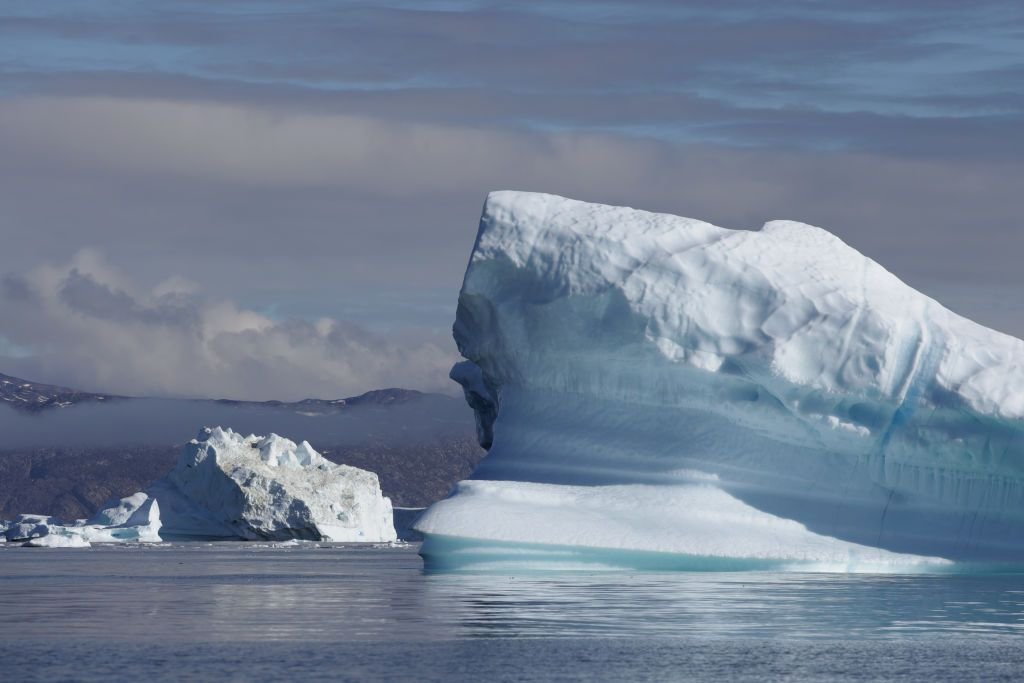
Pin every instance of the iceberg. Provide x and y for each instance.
(226, 486)
(132, 519)
(268, 488)
(657, 391)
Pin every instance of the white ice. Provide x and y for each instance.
(132, 519)
(229, 486)
(692, 520)
(56, 540)
(608, 347)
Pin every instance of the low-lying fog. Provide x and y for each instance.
(175, 421)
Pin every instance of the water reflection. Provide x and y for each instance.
(251, 593)
(752, 605)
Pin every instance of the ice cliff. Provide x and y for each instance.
(226, 486)
(658, 391)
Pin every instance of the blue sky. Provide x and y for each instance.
(310, 161)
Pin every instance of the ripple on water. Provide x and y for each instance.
(237, 597)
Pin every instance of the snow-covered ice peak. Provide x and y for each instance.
(274, 450)
(278, 451)
(607, 346)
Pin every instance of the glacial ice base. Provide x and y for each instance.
(660, 488)
(692, 526)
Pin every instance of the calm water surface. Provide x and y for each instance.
(234, 611)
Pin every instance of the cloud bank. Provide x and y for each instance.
(90, 327)
(347, 203)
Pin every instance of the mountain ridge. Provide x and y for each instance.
(29, 396)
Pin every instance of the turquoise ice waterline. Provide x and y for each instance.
(443, 554)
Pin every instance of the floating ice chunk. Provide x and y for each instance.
(57, 541)
(119, 512)
(25, 527)
(132, 519)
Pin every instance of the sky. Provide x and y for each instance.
(278, 199)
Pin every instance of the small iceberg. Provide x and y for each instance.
(229, 487)
(135, 519)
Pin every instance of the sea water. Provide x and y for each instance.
(264, 611)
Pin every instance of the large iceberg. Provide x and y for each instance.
(229, 486)
(656, 391)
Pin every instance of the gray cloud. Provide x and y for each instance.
(15, 288)
(87, 329)
(82, 294)
(861, 56)
(334, 202)
(949, 121)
